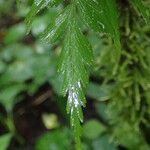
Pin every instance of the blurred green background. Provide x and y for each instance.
(32, 110)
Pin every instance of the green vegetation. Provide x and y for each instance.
(47, 71)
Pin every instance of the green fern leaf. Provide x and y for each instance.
(37, 6)
(57, 27)
(140, 6)
(101, 15)
(75, 56)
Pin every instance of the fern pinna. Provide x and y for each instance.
(76, 56)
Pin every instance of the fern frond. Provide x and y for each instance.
(76, 54)
(37, 6)
(57, 27)
(101, 15)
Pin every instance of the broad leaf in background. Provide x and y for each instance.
(54, 140)
(140, 6)
(100, 93)
(101, 15)
(103, 143)
(24, 66)
(4, 141)
(92, 129)
(101, 109)
(8, 94)
(15, 33)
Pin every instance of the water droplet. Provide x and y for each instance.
(101, 24)
(79, 84)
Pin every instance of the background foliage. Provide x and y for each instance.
(32, 110)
